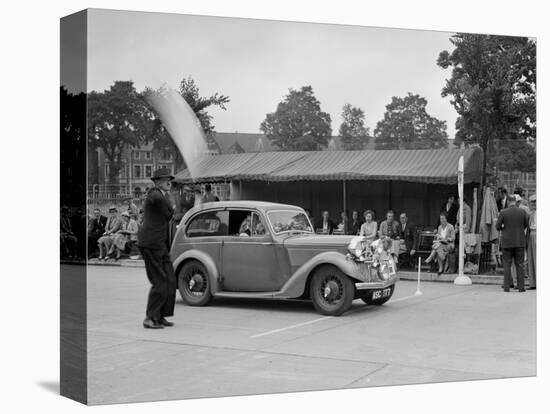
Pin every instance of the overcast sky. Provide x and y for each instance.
(255, 62)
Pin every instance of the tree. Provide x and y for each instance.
(407, 125)
(352, 130)
(190, 92)
(298, 124)
(73, 147)
(492, 86)
(117, 118)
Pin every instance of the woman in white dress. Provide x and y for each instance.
(443, 242)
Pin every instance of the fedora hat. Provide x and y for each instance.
(125, 214)
(162, 173)
(112, 209)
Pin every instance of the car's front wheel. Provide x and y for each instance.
(194, 284)
(331, 291)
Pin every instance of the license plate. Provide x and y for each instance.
(382, 293)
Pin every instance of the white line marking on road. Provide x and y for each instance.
(321, 319)
(404, 298)
(291, 327)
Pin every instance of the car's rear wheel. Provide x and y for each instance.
(194, 284)
(331, 291)
(367, 297)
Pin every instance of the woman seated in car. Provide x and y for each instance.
(443, 242)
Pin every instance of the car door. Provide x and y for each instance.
(206, 231)
(248, 256)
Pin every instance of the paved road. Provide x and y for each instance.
(237, 347)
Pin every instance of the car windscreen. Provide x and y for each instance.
(289, 221)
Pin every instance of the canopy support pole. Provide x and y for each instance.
(461, 279)
(344, 195)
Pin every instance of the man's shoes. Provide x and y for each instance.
(506, 289)
(151, 324)
(164, 322)
(521, 290)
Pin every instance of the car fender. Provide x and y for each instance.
(207, 261)
(295, 286)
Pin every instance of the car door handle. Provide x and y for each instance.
(267, 243)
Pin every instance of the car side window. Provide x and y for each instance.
(246, 223)
(210, 223)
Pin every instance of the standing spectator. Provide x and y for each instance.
(389, 227)
(532, 243)
(467, 217)
(78, 225)
(106, 240)
(153, 242)
(408, 239)
(355, 223)
(443, 243)
(325, 223)
(369, 228)
(342, 225)
(68, 239)
(513, 223)
(96, 228)
(198, 196)
(208, 196)
(450, 208)
(502, 199)
(126, 234)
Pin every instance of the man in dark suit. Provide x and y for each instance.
(153, 243)
(450, 208)
(325, 225)
(409, 240)
(513, 222)
(96, 228)
(503, 200)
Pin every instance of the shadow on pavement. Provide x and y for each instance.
(51, 386)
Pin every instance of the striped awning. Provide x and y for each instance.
(427, 166)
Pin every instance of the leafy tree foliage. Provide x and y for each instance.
(493, 86)
(298, 124)
(117, 118)
(73, 147)
(407, 125)
(355, 136)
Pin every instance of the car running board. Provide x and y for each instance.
(248, 295)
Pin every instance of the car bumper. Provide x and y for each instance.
(375, 285)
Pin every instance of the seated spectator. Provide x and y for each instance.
(369, 227)
(389, 227)
(355, 223)
(96, 228)
(443, 242)
(408, 240)
(111, 227)
(125, 235)
(325, 224)
(68, 239)
(342, 225)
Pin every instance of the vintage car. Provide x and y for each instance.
(252, 249)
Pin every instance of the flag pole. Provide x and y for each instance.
(461, 279)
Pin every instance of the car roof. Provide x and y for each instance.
(260, 205)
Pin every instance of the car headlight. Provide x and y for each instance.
(357, 247)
